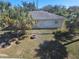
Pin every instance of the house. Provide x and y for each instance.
(46, 20)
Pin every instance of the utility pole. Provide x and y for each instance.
(37, 3)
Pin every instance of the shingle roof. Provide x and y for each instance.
(41, 15)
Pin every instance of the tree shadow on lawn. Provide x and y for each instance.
(51, 50)
(63, 36)
(8, 37)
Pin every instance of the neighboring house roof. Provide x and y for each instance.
(41, 15)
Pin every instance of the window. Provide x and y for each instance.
(56, 22)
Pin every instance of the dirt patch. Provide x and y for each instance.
(3, 55)
(70, 56)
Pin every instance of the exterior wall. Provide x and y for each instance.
(48, 24)
(61, 23)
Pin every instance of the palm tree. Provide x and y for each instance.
(15, 16)
(4, 6)
(29, 6)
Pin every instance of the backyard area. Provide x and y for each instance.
(26, 48)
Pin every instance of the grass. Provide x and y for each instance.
(74, 49)
(77, 30)
(26, 49)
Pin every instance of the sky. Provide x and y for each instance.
(42, 3)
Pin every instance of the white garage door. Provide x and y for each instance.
(46, 24)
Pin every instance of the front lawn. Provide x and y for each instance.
(26, 49)
(74, 49)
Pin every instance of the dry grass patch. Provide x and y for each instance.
(26, 48)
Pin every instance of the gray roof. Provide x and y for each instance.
(41, 15)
